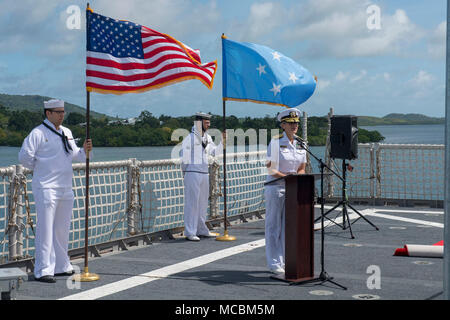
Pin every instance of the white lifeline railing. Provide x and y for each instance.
(131, 197)
(393, 171)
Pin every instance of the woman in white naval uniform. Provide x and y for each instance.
(195, 150)
(49, 151)
(284, 156)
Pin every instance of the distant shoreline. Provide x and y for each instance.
(399, 119)
(401, 124)
(34, 103)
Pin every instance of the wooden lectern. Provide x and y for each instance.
(299, 228)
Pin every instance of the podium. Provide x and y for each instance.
(299, 228)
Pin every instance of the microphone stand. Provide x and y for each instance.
(323, 277)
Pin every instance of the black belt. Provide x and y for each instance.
(196, 172)
(64, 138)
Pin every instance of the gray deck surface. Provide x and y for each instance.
(244, 276)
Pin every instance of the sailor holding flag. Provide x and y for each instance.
(195, 150)
(49, 151)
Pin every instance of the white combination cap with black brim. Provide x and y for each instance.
(289, 115)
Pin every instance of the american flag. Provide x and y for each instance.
(124, 57)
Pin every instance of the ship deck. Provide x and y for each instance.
(210, 270)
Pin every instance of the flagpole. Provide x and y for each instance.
(446, 268)
(226, 236)
(86, 275)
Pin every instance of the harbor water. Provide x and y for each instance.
(394, 134)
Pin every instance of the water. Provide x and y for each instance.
(411, 134)
(9, 155)
(403, 134)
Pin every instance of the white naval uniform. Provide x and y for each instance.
(285, 157)
(196, 180)
(43, 152)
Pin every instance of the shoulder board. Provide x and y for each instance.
(278, 136)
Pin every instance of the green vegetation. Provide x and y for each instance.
(20, 113)
(149, 130)
(35, 103)
(399, 119)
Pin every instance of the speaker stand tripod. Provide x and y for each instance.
(345, 203)
(324, 276)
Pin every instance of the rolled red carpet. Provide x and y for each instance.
(417, 250)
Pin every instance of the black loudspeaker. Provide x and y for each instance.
(344, 137)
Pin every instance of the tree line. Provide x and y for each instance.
(150, 130)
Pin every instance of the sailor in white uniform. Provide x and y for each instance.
(49, 151)
(284, 156)
(195, 150)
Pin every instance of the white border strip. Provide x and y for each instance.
(128, 283)
(165, 272)
(408, 211)
(372, 212)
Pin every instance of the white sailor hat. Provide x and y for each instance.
(202, 116)
(289, 115)
(53, 103)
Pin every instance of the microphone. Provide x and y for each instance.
(300, 140)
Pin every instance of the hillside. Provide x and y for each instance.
(35, 103)
(399, 119)
(148, 130)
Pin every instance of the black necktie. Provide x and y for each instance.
(64, 138)
(204, 144)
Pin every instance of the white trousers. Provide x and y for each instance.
(274, 225)
(196, 192)
(54, 212)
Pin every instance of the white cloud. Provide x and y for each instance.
(437, 41)
(175, 17)
(340, 76)
(421, 85)
(343, 76)
(359, 76)
(28, 23)
(422, 79)
(263, 19)
(396, 33)
(322, 84)
(339, 29)
(21, 23)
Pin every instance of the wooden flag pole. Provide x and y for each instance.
(86, 275)
(226, 236)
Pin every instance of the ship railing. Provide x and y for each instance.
(130, 198)
(384, 174)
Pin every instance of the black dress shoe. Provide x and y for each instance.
(68, 273)
(47, 279)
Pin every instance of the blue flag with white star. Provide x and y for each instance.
(257, 73)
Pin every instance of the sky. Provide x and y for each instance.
(371, 58)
